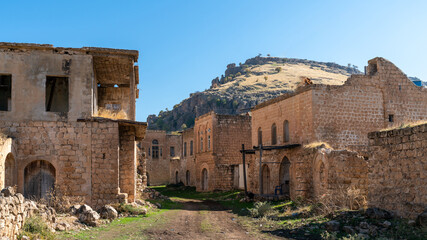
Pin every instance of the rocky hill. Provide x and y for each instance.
(245, 85)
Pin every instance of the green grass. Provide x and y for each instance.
(123, 228)
(36, 228)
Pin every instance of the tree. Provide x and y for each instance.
(184, 126)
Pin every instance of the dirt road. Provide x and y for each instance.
(200, 220)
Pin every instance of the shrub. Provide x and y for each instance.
(130, 209)
(265, 78)
(261, 209)
(278, 69)
(36, 228)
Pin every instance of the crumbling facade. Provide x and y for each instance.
(341, 116)
(183, 169)
(54, 137)
(161, 148)
(218, 139)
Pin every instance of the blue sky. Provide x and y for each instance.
(184, 44)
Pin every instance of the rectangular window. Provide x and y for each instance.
(209, 142)
(56, 94)
(172, 151)
(5, 92)
(391, 118)
(155, 151)
(185, 149)
(191, 147)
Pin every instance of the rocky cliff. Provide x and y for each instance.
(245, 85)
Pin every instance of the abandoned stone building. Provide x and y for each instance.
(291, 127)
(206, 156)
(217, 140)
(161, 148)
(183, 169)
(52, 135)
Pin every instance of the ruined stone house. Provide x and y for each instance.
(206, 156)
(160, 149)
(341, 116)
(218, 139)
(52, 138)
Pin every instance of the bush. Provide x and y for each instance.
(36, 228)
(130, 209)
(260, 209)
(278, 69)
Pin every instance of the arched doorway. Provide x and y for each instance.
(204, 179)
(265, 180)
(187, 178)
(319, 177)
(9, 171)
(284, 176)
(176, 177)
(39, 179)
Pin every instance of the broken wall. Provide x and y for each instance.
(398, 170)
(29, 70)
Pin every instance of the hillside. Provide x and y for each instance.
(242, 87)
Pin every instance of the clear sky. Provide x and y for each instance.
(184, 44)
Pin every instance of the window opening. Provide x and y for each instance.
(5, 92)
(56, 94)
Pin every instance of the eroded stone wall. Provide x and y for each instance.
(15, 209)
(85, 156)
(313, 172)
(398, 170)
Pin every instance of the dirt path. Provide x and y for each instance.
(199, 220)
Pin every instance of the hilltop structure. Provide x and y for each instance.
(53, 138)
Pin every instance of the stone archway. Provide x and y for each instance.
(9, 171)
(204, 179)
(265, 180)
(320, 174)
(187, 178)
(285, 176)
(39, 179)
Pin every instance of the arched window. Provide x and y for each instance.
(273, 134)
(155, 148)
(286, 131)
(259, 136)
(209, 142)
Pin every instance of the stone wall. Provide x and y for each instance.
(14, 210)
(128, 157)
(398, 170)
(312, 172)
(84, 156)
